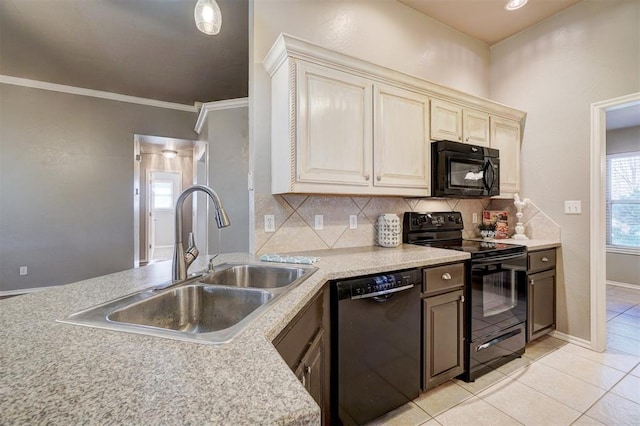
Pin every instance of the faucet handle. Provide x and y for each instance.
(192, 251)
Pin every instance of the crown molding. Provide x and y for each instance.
(54, 87)
(217, 106)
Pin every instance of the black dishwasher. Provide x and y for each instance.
(375, 344)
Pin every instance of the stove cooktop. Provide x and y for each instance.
(444, 230)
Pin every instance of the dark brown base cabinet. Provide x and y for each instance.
(304, 345)
(443, 324)
(541, 298)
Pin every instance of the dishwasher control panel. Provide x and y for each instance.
(378, 285)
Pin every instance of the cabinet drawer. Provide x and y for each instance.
(441, 278)
(541, 260)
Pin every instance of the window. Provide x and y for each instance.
(162, 194)
(623, 200)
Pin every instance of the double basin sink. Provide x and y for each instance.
(209, 308)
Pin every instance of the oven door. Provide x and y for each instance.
(497, 293)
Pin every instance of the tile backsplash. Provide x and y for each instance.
(295, 217)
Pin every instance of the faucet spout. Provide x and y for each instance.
(183, 258)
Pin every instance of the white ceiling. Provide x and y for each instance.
(487, 20)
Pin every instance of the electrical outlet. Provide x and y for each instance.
(353, 221)
(269, 223)
(319, 222)
(475, 218)
(573, 207)
(23, 270)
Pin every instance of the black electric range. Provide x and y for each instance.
(495, 301)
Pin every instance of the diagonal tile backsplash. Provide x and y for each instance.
(295, 218)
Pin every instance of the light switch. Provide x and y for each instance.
(573, 207)
(353, 221)
(319, 222)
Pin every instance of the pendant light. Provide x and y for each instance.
(208, 16)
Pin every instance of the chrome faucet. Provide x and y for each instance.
(183, 258)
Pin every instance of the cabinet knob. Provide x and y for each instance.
(461, 299)
(467, 139)
(379, 178)
(307, 369)
(532, 282)
(446, 276)
(459, 138)
(544, 259)
(367, 177)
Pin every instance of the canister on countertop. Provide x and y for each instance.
(389, 230)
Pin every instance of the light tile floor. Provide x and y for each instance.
(554, 383)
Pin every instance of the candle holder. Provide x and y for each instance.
(520, 204)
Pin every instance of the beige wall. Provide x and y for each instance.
(555, 71)
(383, 32)
(66, 183)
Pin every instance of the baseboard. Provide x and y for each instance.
(24, 291)
(625, 285)
(571, 339)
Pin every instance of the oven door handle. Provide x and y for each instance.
(384, 295)
(498, 340)
(497, 258)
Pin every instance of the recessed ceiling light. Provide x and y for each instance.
(169, 153)
(515, 4)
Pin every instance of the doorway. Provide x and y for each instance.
(163, 189)
(597, 229)
(163, 167)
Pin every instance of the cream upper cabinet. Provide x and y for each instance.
(334, 127)
(505, 136)
(341, 125)
(401, 138)
(455, 123)
(475, 127)
(446, 121)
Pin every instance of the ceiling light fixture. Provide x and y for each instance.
(515, 4)
(169, 153)
(208, 16)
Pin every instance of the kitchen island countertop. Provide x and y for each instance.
(66, 374)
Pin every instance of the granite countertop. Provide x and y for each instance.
(56, 373)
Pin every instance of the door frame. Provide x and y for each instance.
(148, 205)
(597, 231)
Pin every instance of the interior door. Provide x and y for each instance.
(164, 189)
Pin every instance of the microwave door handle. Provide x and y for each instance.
(488, 169)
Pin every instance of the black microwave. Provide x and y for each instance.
(460, 170)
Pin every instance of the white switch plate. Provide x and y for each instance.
(23, 270)
(353, 221)
(475, 218)
(573, 207)
(269, 223)
(319, 222)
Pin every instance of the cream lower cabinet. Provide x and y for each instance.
(505, 136)
(340, 133)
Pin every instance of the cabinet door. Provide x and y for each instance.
(334, 126)
(446, 121)
(311, 370)
(505, 136)
(541, 303)
(475, 127)
(443, 338)
(401, 138)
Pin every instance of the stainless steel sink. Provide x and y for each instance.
(211, 308)
(255, 275)
(193, 308)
